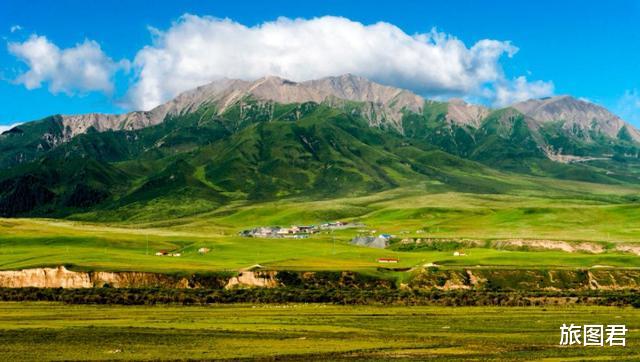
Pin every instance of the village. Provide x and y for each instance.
(296, 231)
(378, 241)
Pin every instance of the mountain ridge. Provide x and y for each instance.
(225, 92)
(382, 105)
(235, 140)
(576, 113)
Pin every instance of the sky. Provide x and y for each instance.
(68, 57)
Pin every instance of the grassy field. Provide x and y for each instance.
(103, 249)
(44, 331)
(406, 212)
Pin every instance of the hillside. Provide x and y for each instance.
(272, 139)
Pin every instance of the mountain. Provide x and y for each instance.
(387, 102)
(380, 105)
(562, 125)
(272, 138)
(562, 129)
(462, 113)
(577, 131)
(581, 118)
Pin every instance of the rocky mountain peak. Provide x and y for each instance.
(384, 103)
(381, 105)
(461, 112)
(576, 114)
(550, 108)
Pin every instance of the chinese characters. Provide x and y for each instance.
(593, 335)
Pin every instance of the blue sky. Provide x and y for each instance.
(588, 49)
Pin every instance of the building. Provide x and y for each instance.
(166, 253)
(370, 241)
(388, 260)
(307, 229)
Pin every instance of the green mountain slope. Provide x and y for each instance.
(236, 146)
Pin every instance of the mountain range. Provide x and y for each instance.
(272, 138)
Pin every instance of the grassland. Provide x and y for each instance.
(604, 216)
(46, 331)
(188, 193)
(196, 180)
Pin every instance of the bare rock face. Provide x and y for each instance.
(382, 103)
(248, 279)
(137, 279)
(79, 124)
(61, 277)
(576, 115)
(387, 102)
(58, 277)
(463, 113)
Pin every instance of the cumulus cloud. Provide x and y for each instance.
(82, 68)
(15, 28)
(197, 50)
(628, 106)
(519, 89)
(6, 127)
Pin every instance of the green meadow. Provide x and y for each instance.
(568, 211)
(48, 331)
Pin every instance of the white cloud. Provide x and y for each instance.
(519, 89)
(6, 127)
(628, 107)
(197, 50)
(15, 28)
(82, 68)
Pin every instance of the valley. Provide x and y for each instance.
(319, 181)
(492, 229)
(467, 197)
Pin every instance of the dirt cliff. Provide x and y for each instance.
(58, 277)
(61, 277)
(264, 279)
(431, 277)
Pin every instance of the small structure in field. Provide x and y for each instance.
(307, 229)
(166, 253)
(388, 260)
(339, 225)
(459, 253)
(370, 241)
(204, 250)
